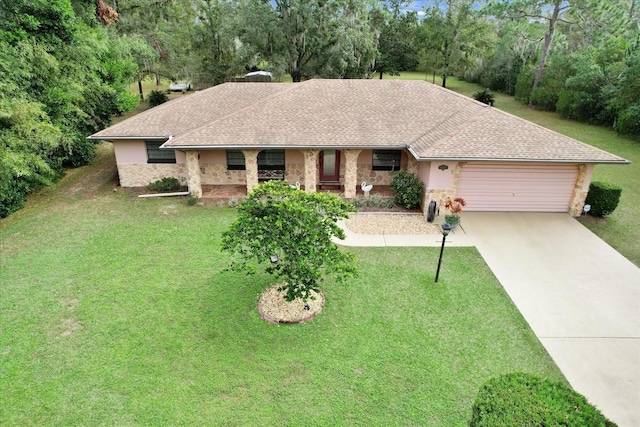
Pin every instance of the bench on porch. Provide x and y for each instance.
(270, 174)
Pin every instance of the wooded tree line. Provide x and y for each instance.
(65, 64)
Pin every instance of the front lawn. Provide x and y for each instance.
(117, 311)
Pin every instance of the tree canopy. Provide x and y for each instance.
(296, 228)
(63, 75)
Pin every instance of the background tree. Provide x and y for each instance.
(594, 19)
(164, 27)
(351, 51)
(62, 77)
(279, 220)
(452, 35)
(397, 38)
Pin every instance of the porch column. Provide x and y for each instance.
(251, 168)
(193, 173)
(579, 193)
(351, 173)
(310, 170)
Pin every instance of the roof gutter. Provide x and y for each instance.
(489, 159)
(286, 147)
(145, 138)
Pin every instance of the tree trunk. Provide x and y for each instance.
(140, 89)
(157, 78)
(444, 80)
(296, 75)
(381, 74)
(548, 38)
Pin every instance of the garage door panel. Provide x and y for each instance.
(517, 188)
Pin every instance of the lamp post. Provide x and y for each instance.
(446, 228)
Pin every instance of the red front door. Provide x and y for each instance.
(330, 166)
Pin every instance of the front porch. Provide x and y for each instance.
(211, 175)
(225, 193)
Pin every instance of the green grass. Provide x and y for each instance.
(117, 311)
(622, 228)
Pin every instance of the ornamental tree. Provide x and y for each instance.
(290, 232)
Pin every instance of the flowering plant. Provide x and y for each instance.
(454, 206)
(454, 209)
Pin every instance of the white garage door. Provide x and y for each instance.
(517, 187)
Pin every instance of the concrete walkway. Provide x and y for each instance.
(580, 297)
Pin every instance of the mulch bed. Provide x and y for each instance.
(275, 309)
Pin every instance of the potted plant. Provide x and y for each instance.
(453, 208)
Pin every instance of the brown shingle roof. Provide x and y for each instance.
(181, 115)
(434, 123)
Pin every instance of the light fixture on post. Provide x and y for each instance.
(446, 228)
(274, 259)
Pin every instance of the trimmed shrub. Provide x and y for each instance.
(408, 189)
(163, 185)
(520, 399)
(603, 198)
(156, 98)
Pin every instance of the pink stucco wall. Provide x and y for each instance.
(129, 152)
(441, 178)
(424, 170)
(135, 151)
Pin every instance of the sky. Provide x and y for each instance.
(417, 6)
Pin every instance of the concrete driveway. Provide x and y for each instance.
(580, 296)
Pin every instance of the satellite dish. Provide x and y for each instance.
(586, 208)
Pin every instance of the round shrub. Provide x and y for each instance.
(156, 98)
(408, 189)
(520, 399)
(166, 184)
(603, 198)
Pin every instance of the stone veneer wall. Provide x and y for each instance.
(294, 172)
(217, 174)
(439, 195)
(374, 177)
(579, 194)
(141, 175)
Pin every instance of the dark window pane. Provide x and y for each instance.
(386, 160)
(157, 155)
(271, 160)
(235, 160)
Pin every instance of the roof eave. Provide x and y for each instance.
(517, 160)
(117, 138)
(287, 147)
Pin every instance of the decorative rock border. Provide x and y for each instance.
(275, 309)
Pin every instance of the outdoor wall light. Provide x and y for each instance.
(443, 167)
